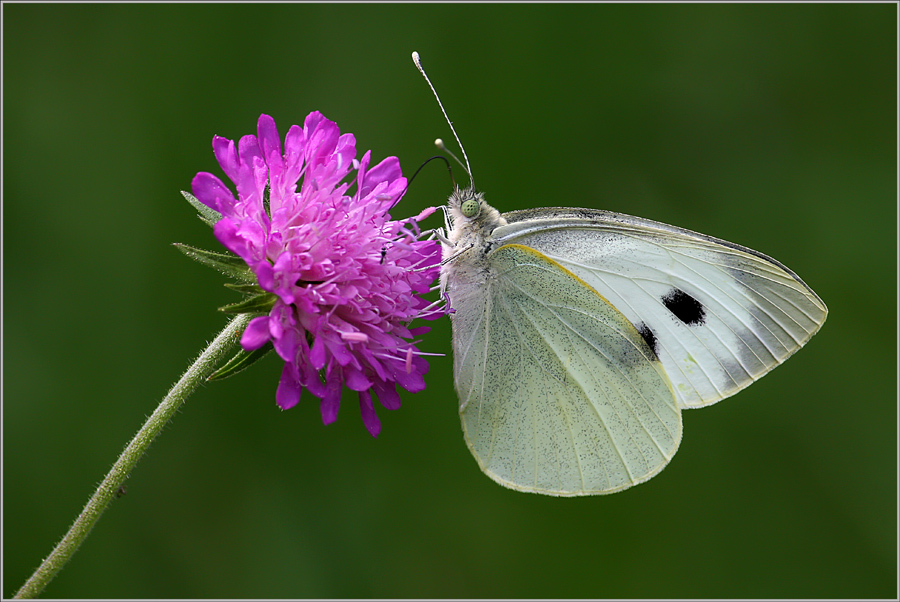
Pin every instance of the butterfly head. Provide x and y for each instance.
(471, 215)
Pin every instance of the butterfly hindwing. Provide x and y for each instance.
(559, 391)
(719, 316)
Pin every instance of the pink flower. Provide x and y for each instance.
(347, 279)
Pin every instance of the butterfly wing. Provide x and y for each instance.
(559, 393)
(718, 315)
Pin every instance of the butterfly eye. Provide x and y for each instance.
(470, 208)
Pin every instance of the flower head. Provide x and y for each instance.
(347, 279)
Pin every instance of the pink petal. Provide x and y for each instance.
(386, 171)
(317, 353)
(370, 419)
(226, 154)
(256, 334)
(288, 393)
(265, 276)
(247, 180)
(294, 142)
(387, 395)
(355, 380)
(331, 402)
(210, 191)
(309, 378)
(268, 136)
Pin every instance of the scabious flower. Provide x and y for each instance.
(347, 279)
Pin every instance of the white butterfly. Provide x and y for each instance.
(579, 335)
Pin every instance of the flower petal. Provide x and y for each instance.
(256, 334)
(387, 395)
(210, 191)
(387, 171)
(288, 393)
(356, 381)
(331, 402)
(317, 355)
(370, 419)
(226, 154)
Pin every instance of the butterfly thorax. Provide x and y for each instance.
(471, 223)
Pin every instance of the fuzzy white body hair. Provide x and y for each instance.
(468, 239)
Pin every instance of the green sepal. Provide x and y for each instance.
(257, 304)
(241, 361)
(245, 289)
(207, 215)
(230, 265)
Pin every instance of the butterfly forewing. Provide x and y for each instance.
(718, 315)
(559, 392)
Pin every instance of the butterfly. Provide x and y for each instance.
(579, 336)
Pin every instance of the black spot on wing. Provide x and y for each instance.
(648, 336)
(686, 308)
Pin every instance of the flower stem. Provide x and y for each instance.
(205, 365)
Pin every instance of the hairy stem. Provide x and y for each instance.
(212, 356)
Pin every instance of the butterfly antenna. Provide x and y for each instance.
(418, 62)
(440, 146)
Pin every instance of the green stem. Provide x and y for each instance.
(196, 375)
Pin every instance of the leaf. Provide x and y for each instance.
(241, 361)
(245, 289)
(230, 265)
(261, 304)
(210, 216)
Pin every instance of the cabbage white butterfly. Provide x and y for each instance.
(579, 335)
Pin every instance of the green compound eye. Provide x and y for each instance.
(470, 208)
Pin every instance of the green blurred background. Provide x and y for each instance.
(773, 126)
